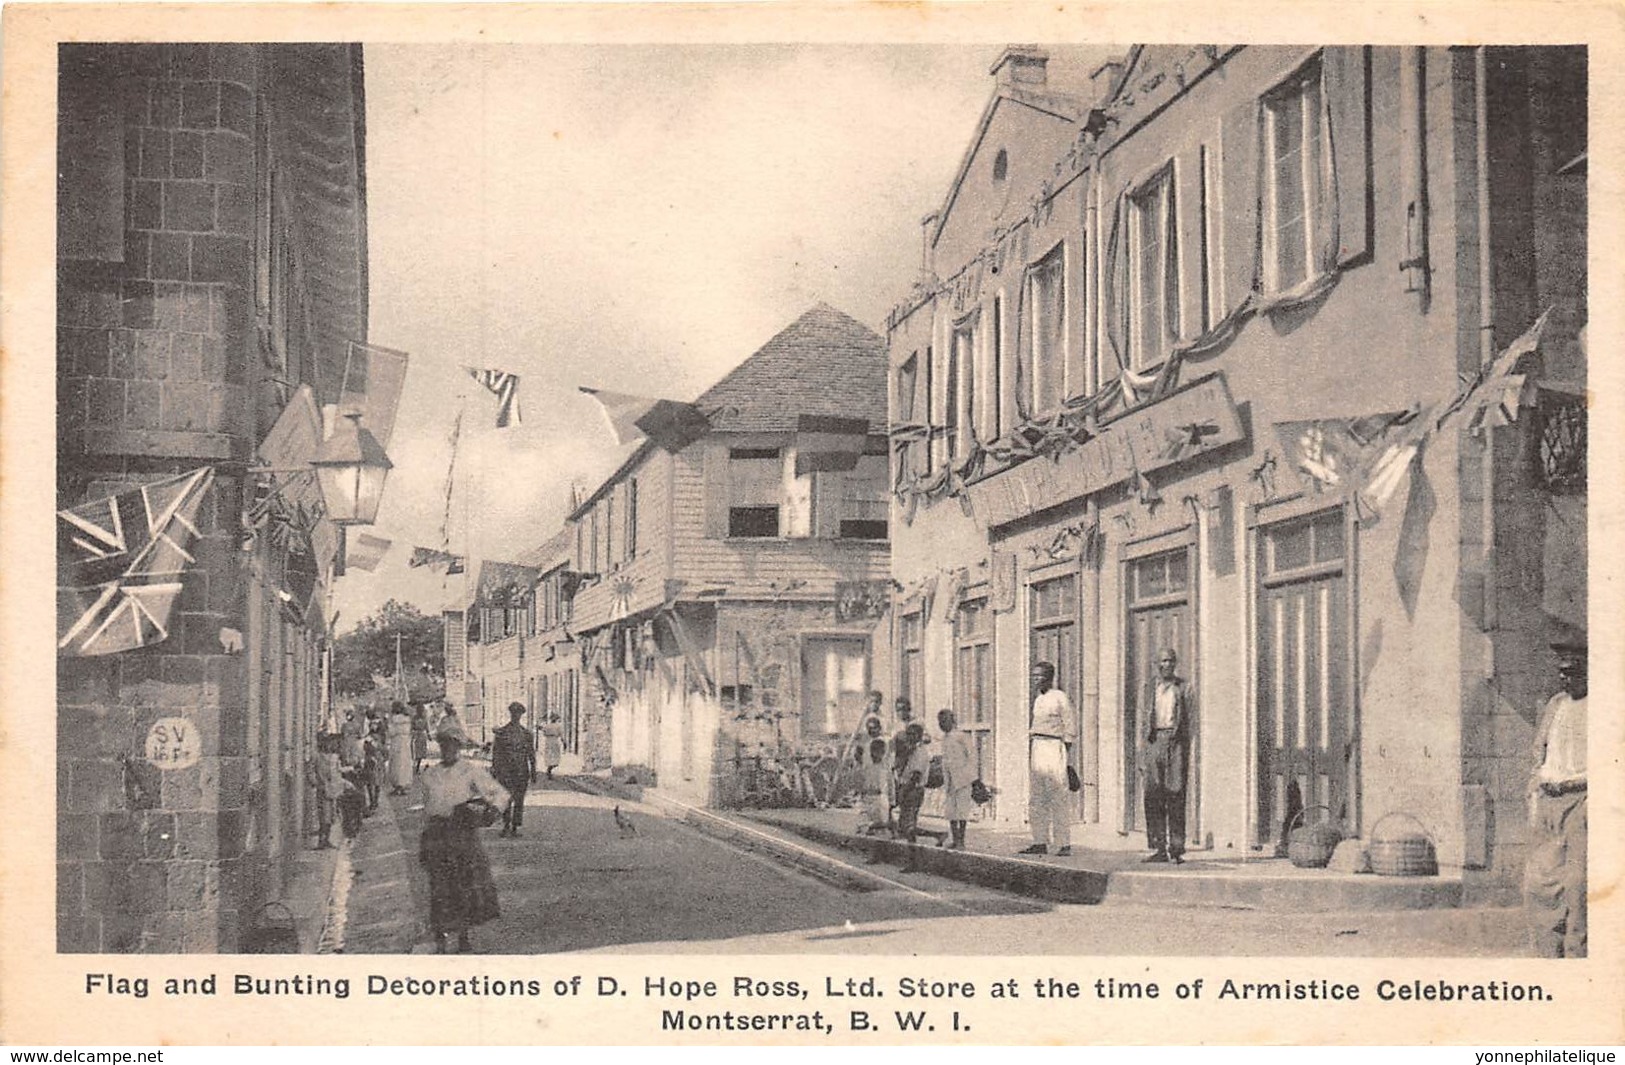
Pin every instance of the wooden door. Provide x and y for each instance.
(1157, 594)
(1151, 629)
(1305, 735)
(1054, 638)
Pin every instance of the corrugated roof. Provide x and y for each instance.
(825, 362)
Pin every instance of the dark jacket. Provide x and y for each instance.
(513, 753)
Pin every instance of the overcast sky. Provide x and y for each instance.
(640, 218)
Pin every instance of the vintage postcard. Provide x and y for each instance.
(806, 523)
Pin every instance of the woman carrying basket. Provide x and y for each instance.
(459, 798)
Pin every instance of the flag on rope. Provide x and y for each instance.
(428, 556)
(671, 424)
(373, 379)
(505, 386)
(828, 444)
(120, 563)
(364, 551)
(1495, 399)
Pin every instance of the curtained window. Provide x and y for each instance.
(1294, 177)
(1153, 270)
(1047, 284)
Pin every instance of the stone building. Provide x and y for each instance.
(1205, 354)
(211, 278)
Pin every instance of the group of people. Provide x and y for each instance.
(369, 751)
(894, 776)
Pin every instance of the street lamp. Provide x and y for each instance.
(350, 470)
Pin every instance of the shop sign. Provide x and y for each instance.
(1193, 421)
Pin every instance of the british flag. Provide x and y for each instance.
(120, 561)
(505, 386)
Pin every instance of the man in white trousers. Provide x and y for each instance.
(1051, 730)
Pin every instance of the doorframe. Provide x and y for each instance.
(806, 636)
(1274, 512)
(1163, 542)
(1074, 568)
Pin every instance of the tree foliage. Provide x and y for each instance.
(368, 650)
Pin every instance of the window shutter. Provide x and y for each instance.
(1344, 81)
(829, 500)
(1188, 200)
(1239, 144)
(716, 489)
(1115, 292)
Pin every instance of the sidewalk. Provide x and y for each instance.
(375, 905)
(1093, 873)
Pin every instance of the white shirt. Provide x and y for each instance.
(1052, 716)
(958, 760)
(1565, 759)
(1166, 714)
(447, 786)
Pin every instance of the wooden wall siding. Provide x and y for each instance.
(750, 568)
(627, 588)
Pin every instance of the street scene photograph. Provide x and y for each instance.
(883, 499)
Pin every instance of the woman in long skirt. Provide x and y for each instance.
(552, 744)
(461, 891)
(401, 764)
(420, 738)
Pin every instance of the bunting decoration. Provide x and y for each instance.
(669, 423)
(373, 379)
(828, 444)
(505, 386)
(364, 551)
(429, 556)
(120, 563)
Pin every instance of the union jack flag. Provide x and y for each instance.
(505, 386)
(119, 564)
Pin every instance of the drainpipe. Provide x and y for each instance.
(1486, 294)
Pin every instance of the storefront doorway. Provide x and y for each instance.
(1305, 748)
(1054, 638)
(1159, 616)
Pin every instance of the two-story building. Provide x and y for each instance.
(723, 599)
(1192, 364)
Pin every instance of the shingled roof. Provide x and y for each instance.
(824, 362)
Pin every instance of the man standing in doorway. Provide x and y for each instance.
(1164, 761)
(1051, 732)
(1555, 873)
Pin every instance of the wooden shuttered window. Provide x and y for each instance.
(1339, 124)
(1345, 73)
(715, 475)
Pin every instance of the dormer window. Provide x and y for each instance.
(1001, 165)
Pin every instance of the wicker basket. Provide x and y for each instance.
(1311, 846)
(1403, 852)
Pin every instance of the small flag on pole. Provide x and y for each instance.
(670, 423)
(826, 443)
(364, 551)
(120, 563)
(505, 386)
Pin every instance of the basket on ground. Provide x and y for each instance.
(1311, 846)
(1402, 851)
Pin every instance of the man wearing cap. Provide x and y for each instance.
(1555, 871)
(1051, 733)
(513, 763)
